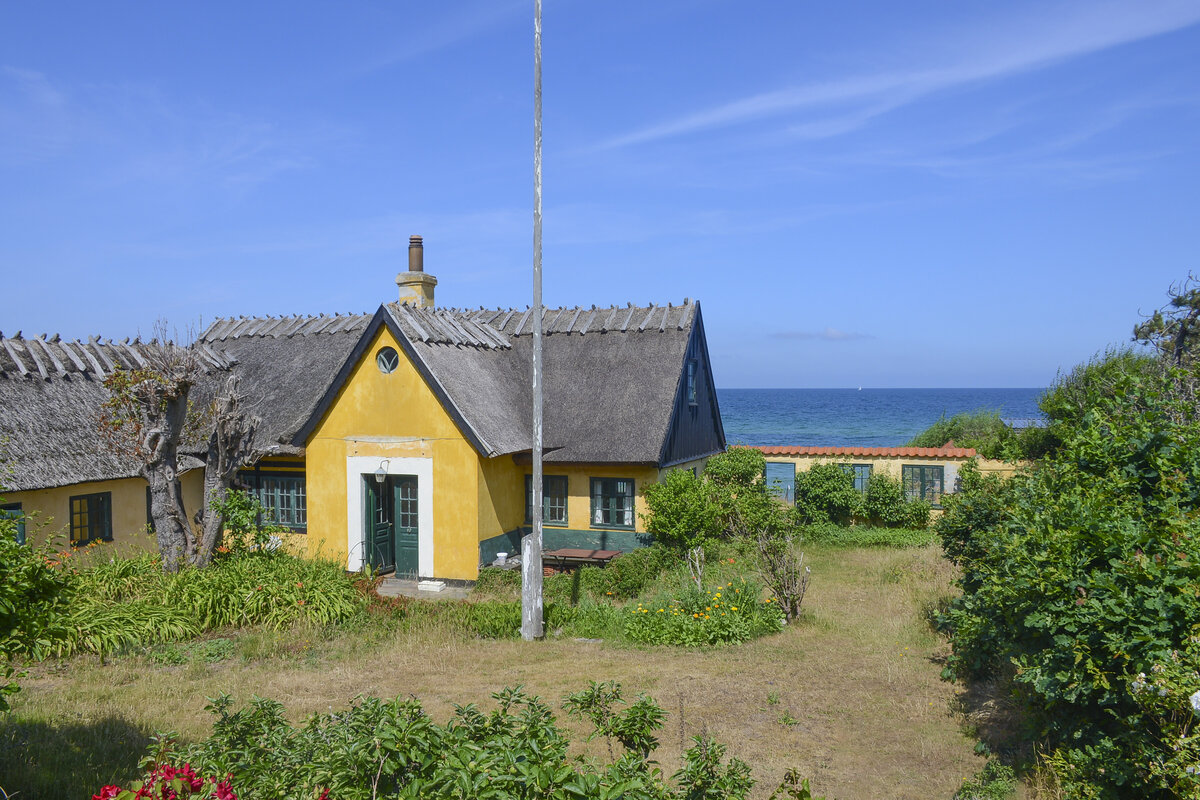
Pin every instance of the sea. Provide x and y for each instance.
(863, 417)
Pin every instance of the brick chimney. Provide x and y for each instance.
(416, 287)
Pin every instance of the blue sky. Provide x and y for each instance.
(878, 194)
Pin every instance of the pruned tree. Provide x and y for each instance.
(144, 418)
(230, 446)
(149, 414)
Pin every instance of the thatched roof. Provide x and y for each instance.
(611, 375)
(51, 391)
(285, 365)
(611, 379)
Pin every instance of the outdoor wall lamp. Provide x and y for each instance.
(381, 472)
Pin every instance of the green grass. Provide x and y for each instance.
(853, 683)
(868, 536)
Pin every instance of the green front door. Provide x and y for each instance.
(404, 498)
(391, 524)
(379, 536)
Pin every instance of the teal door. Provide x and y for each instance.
(391, 524)
(404, 497)
(379, 536)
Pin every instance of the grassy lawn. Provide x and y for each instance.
(851, 695)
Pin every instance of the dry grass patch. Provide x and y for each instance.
(851, 695)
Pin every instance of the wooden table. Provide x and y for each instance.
(566, 557)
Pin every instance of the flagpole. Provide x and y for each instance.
(531, 544)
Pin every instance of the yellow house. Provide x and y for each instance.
(400, 440)
(925, 473)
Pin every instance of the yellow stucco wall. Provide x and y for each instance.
(579, 488)
(891, 465)
(501, 496)
(394, 416)
(48, 511)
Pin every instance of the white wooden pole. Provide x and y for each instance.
(531, 544)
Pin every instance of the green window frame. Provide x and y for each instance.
(861, 473)
(285, 500)
(13, 511)
(612, 503)
(283, 495)
(923, 482)
(554, 500)
(691, 381)
(91, 518)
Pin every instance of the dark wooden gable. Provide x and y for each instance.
(695, 430)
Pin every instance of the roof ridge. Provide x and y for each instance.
(51, 356)
(269, 325)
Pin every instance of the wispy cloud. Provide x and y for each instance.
(461, 24)
(827, 335)
(1021, 45)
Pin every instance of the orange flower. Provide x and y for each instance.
(299, 602)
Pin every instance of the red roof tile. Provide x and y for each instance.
(879, 452)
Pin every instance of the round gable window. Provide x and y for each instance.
(387, 359)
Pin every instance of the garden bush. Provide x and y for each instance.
(1079, 584)
(732, 613)
(33, 603)
(392, 748)
(826, 493)
(885, 505)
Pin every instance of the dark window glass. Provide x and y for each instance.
(612, 502)
(923, 483)
(13, 511)
(691, 382)
(283, 497)
(91, 518)
(861, 473)
(387, 359)
(554, 499)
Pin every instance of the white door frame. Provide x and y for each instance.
(358, 467)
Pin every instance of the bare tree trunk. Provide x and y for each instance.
(160, 442)
(229, 448)
(170, 520)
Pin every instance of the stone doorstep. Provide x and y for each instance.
(408, 587)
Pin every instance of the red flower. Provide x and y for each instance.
(324, 794)
(224, 791)
(107, 792)
(194, 781)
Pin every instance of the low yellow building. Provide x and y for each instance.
(925, 473)
(401, 440)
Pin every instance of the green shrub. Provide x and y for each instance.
(826, 493)
(629, 574)
(33, 603)
(496, 581)
(866, 536)
(125, 603)
(732, 613)
(885, 505)
(995, 781)
(392, 748)
(1080, 576)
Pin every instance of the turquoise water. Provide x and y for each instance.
(865, 417)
